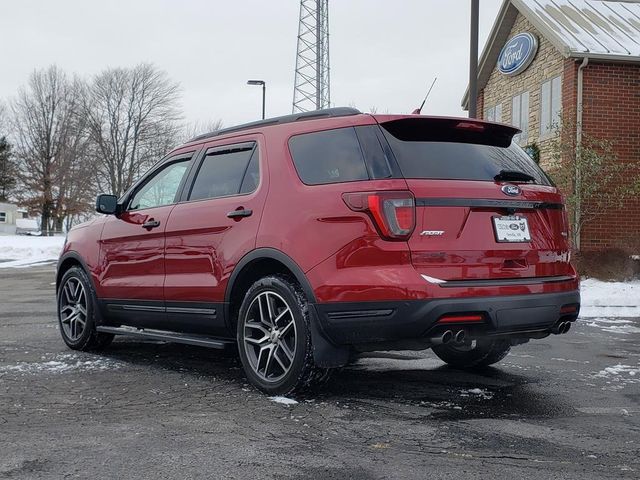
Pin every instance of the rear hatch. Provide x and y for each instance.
(484, 209)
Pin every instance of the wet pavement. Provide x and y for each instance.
(563, 407)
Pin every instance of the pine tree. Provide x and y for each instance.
(8, 170)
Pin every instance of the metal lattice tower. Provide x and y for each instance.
(311, 88)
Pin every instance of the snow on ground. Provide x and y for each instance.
(62, 363)
(609, 299)
(477, 392)
(619, 376)
(20, 251)
(283, 400)
(614, 325)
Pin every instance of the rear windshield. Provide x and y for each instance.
(436, 149)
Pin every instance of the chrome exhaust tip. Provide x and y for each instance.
(566, 327)
(446, 337)
(459, 336)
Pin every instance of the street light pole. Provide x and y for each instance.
(264, 92)
(473, 60)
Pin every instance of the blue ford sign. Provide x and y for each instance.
(517, 54)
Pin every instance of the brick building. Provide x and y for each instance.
(575, 63)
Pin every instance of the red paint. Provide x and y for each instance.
(192, 255)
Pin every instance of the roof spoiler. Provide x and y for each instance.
(443, 129)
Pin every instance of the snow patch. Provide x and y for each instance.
(619, 376)
(60, 364)
(20, 251)
(621, 326)
(609, 299)
(479, 392)
(283, 400)
(619, 370)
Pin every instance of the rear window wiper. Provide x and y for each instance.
(514, 176)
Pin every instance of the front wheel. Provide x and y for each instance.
(477, 354)
(274, 337)
(77, 310)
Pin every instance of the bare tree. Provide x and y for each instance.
(46, 129)
(75, 187)
(194, 129)
(132, 119)
(3, 118)
(591, 175)
(8, 170)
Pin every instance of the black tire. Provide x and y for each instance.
(88, 338)
(287, 376)
(485, 352)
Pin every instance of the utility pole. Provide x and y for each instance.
(311, 87)
(473, 60)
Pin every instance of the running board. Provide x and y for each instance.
(197, 340)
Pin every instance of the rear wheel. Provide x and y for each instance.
(274, 338)
(77, 310)
(476, 354)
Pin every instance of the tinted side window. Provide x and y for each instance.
(221, 173)
(330, 156)
(252, 175)
(377, 160)
(161, 188)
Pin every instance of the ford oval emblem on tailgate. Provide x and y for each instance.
(511, 190)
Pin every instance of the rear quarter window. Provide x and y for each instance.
(330, 156)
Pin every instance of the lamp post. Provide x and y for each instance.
(473, 60)
(264, 91)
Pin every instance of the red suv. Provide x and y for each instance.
(307, 238)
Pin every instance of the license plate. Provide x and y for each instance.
(511, 229)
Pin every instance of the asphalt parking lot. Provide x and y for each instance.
(562, 407)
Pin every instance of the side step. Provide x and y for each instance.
(198, 340)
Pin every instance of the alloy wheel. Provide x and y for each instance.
(73, 309)
(270, 336)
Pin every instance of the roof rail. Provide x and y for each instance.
(296, 117)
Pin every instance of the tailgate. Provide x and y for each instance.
(484, 209)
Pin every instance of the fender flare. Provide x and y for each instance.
(325, 353)
(72, 254)
(273, 254)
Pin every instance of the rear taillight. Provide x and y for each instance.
(393, 213)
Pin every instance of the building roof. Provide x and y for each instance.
(604, 30)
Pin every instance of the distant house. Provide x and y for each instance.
(15, 220)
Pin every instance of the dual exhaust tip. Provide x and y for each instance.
(561, 327)
(448, 337)
(459, 336)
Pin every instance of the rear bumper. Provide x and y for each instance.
(381, 322)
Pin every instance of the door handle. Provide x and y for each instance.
(149, 224)
(241, 212)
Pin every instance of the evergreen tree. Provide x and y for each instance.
(8, 170)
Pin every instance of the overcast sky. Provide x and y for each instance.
(384, 53)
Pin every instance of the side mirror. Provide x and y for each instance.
(107, 204)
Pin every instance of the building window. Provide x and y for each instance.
(494, 114)
(3, 217)
(550, 100)
(520, 117)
